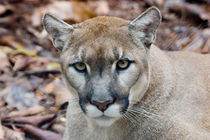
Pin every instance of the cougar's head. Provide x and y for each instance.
(105, 61)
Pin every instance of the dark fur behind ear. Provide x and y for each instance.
(58, 30)
(144, 26)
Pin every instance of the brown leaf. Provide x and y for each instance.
(13, 135)
(61, 9)
(58, 128)
(102, 8)
(191, 12)
(81, 11)
(30, 111)
(59, 90)
(11, 41)
(33, 120)
(20, 62)
(4, 9)
(206, 47)
(2, 133)
(40, 133)
(38, 63)
(199, 42)
(5, 65)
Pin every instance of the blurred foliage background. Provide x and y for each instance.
(33, 97)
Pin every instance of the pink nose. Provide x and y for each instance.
(102, 106)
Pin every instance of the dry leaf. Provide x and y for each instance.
(38, 63)
(191, 12)
(58, 128)
(102, 8)
(2, 133)
(20, 62)
(40, 133)
(59, 90)
(30, 111)
(11, 41)
(53, 66)
(5, 65)
(61, 9)
(33, 120)
(13, 135)
(81, 11)
(5, 8)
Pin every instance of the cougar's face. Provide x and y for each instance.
(105, 74)
(105, 61)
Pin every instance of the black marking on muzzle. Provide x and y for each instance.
(125, 103)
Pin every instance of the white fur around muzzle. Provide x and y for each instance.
(106, 118)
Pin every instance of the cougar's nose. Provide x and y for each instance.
(102, 105)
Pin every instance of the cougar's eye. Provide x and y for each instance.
(123, 64)
(80, 67)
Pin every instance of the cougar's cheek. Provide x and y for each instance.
(77, 80)
(128, 78)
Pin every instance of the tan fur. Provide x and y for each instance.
(177, 95)
(182, 79)
(179, 80)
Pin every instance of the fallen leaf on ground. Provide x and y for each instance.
(32, 120)
(4, 9)
(191, 12)
(58, 128)
(13, 135)
(20, 98)
(2, 133)
(81, 11)
(10, 41)
(59, 90)
(40, 133)
(61, 9)
(30, 111)
(102, 8)
(38, 63)
(20, 62)
(5, 65)
(53, 66)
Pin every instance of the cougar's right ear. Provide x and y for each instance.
(58, 30)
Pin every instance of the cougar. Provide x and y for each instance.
(123, 87)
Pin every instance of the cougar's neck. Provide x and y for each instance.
(162, 79)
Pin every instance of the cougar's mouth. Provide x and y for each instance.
(106, 116)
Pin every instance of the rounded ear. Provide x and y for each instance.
(58, 30)
(144, 26)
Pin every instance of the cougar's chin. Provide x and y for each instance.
(105, 121)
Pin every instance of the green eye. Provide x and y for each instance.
(80, 67)
(123, 64)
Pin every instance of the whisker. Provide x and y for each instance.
(141, 110)
(145, 105)
(135, 117)
(130, 119)
(150, 116)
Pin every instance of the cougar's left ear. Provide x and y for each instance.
(58, 30)
(144, 26)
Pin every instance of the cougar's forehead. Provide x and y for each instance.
(100, 40)
(99, 53)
